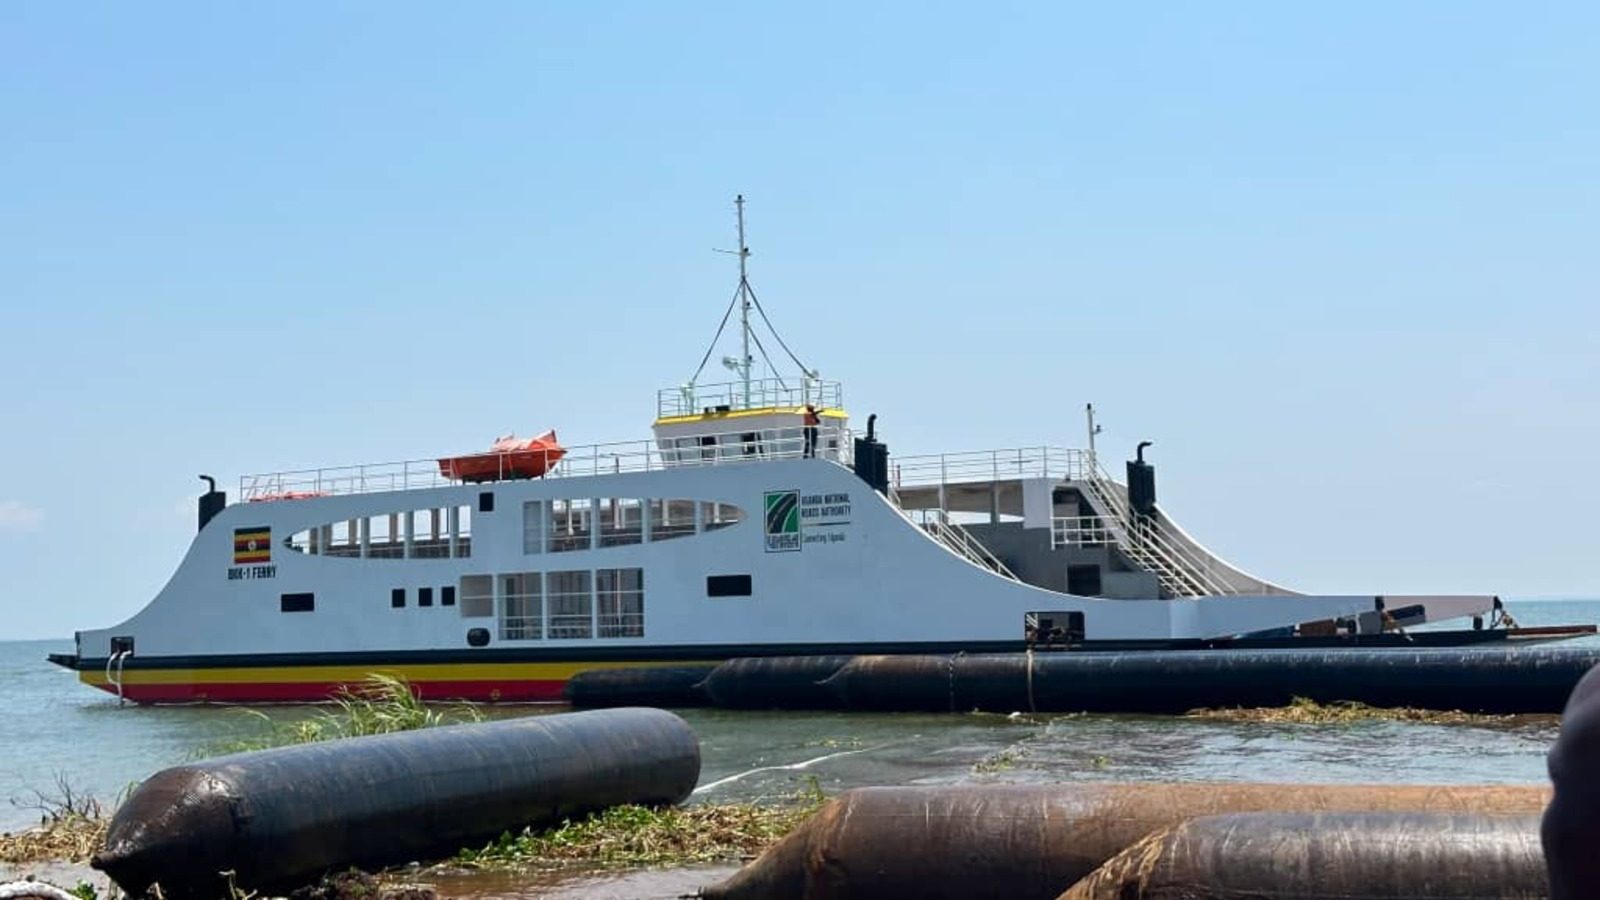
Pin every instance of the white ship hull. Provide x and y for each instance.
(849, 572)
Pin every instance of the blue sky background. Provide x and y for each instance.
(1339, 262)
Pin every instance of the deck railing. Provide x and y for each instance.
(1080, 531)
(695, 399)
(990, 465)
(729, 448)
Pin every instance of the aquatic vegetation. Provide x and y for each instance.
(354, 884)
(381, 704)
(1303, 711)
(639, 836)
(1000, 760)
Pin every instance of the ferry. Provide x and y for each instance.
(756, 520)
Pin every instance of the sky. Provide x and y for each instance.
(1337, 261)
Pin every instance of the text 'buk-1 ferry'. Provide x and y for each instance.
(757, 521)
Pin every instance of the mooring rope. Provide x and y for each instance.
(1031, 707)
(950, 678)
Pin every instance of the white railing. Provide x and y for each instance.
(938, 525)
(1079, 531)
(990, 465)
(730, 448)
(1140, 537)
(696, 399)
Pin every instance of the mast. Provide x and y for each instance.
(745, 299)
(1094, 429)
(744, 302)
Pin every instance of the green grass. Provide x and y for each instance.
(641, 836)
(645, 836)
(381, 704)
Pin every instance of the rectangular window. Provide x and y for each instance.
(621, 522)
(619, 602)
(718, 515)
(570, 524)
(686, 450)
(486, 501)
(671, 519)
(397, 598)
(447, 595)
(302, 541)
(522, 615)
(727, 585)
(477, 596)
(385, 540)
(343, 539)
(425, 596)
(430, 534)
(463, 531)
(533, 526)
(297, 602)
(571, 604)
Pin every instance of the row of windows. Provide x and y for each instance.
(548, 526)
(557, 526)
(568, 604)
(447, 596)
(778, 443)
(414, 534)
(560, 605)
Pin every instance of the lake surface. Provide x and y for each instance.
(55, 726)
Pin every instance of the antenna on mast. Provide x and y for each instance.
(745, 298)
(742, 296)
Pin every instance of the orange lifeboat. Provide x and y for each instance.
(509, 457)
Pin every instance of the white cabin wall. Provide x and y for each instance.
(885, 582)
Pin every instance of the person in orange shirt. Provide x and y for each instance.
(811, 421)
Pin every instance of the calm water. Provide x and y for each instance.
(56, 726)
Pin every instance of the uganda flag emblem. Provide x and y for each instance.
(252, 545)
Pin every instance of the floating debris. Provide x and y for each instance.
(1305, 711)
(65, 838)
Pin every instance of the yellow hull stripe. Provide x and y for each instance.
(743, 413)
(424, 672)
